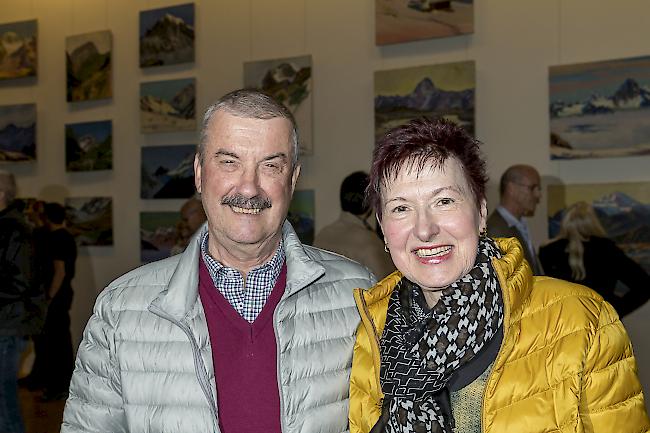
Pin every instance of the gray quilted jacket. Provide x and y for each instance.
(145, 362)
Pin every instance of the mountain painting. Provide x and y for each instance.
(167, 106)
(167, 171)
(622, 208)
(301, 215)
(89, 146)
(411, 20)
(88, 66)
(18, 50)
(445, 90)
(18, 132)
(157, 234)
(167, 36)
(90, 220)
(601, 109)
(289, 81)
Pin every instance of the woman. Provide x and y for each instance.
(463, 338)
(582, 253)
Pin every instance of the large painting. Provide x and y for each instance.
(623, 210)
(168, 105)
(89, 146)
(445, 90)
(88, 66)
(167, 171)
(157, 234)
(167, 36)
(288, 81)
(18, 132)
(301, 215)
(18, 50)
(90, 220)
(600, 109)
(410, 20)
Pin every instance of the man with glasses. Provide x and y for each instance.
(520, 191)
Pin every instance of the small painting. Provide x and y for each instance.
(289, 82)
(435, 91)
(600, 109)
(89, 146)
(301, 215)
(622, 208)
(157, 234)
(167, 171)
(411, 20)
(90, 220)
(18, 132)
(88, 66)
(18, 50)
(168, 105)
(167, 36)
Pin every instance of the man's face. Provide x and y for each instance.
(528, 192)
(246, 179)
(192, 215)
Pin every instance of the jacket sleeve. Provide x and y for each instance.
(95, 402)
(611, 397)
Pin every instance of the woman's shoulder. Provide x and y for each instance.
(572, 299)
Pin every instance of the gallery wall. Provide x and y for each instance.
(513, 45)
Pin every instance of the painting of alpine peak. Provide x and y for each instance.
(88, 66)
(167, 171)
(18, 132)
(601, 109)
(17, 50)
(167, 36)
(168, 105)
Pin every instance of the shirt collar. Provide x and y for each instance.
(510, 218)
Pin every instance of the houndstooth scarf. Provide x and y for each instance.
(420, 350)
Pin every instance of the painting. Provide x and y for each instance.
(167, 36)
(411, 20)
(601, 109)
(289, 81)
(622, 208)
(167, 171)
(301, 215)
(88, 66)
(157, 234)
(445, 90)
(18, 50)
(18, 132)
(89, 146)
(168, 105)
(90, 220)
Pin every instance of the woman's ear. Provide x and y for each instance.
(482, 226)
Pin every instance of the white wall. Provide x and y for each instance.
(513, 45)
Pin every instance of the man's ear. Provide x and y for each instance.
(197, 173)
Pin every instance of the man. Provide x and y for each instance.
(351, 235)
(192, 218)
(247, 330)
(520, 191)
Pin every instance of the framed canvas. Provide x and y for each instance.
(18, 132)
(90, 220)
(89, 146)
(167, 171)
(168, 105)
(157, 234)
(445, 90)
(167, 36)
(301, 215)
(411, 20)
(289, 81)
(89, 66)
(18, 50)
(600, 109)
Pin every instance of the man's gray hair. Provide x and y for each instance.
(8, 185)
(249, 104)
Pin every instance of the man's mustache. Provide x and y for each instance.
(238, 200)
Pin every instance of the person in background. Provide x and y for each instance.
(192, 218)
(463, 338)
(519, 191)
(582, 253)
(351, 235)
(248, 330)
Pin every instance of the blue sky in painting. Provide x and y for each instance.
(165, 156)
(150, 17)
(22, 115)
(165, 90)
(22, 28)
(99, 130)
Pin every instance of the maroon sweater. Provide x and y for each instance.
(244, 357)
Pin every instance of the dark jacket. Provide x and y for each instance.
(497, 227)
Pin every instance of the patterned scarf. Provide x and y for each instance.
(420, 350)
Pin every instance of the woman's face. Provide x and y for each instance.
(431, 223)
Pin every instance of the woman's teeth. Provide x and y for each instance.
(433, 252)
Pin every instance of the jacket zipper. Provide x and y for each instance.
(369, 325)
(277, 366)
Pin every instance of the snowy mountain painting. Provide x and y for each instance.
(89, 146)
(445, 90)
(157, 234)
(18, 50)
(622, 208)
(167, 171)
(301, 215)
(88, 66)
(18, 132)
(90, 220)
(168, 105)
(601, 109)
(167, 36)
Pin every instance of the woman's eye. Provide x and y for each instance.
(398, 209)
(445, 201)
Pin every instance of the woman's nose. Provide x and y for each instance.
(426, 227)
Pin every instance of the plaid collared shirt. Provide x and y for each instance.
(248, 300)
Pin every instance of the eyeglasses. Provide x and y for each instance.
(531, 188)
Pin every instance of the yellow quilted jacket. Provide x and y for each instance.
(565, 364)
